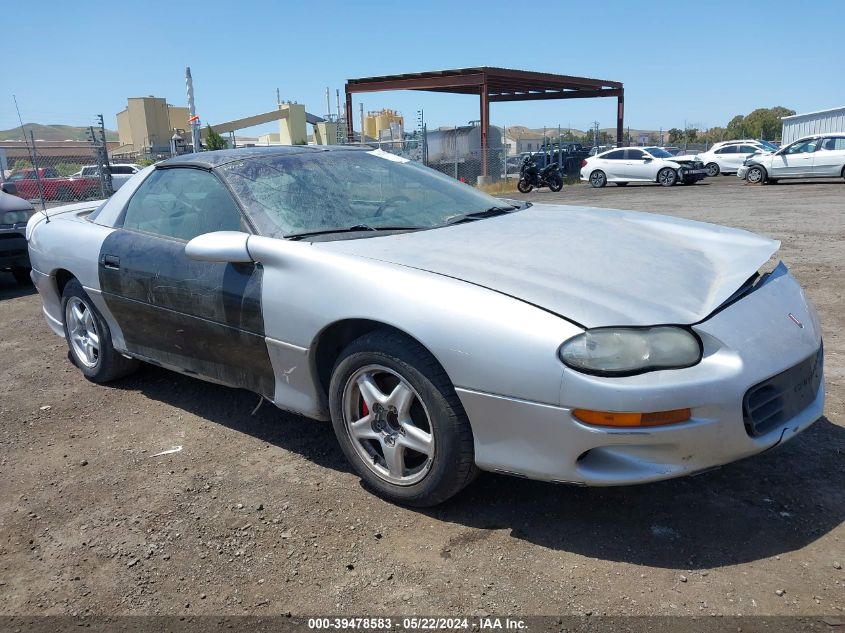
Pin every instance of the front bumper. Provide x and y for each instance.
(13, 251)
(740, 173)
(744, 345)
(692, 174)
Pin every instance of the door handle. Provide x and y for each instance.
(111, 261)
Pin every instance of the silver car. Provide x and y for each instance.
(442, 331)
(819, 156)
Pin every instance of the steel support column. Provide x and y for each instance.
(485, 126)
(620, 116)
(350, 131)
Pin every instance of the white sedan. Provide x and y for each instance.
(727, 158)
(639, 164)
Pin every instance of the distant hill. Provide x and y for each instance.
(52, 133)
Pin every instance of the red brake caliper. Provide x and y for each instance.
(364, 409)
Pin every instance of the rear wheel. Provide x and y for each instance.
(755, 175)
(399, 421)
(598, 179)
(667, 177)
(64, 194)
(22, 275)
(556, 183)
(712, 169)
(89, 339)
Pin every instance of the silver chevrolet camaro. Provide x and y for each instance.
(441, 330)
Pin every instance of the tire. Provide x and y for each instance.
(712, 169)
(556, 183)
(598, 179)
(381, 363)
(89, 339)
(667, 177)
(621, 184)
(64, 194)
(755, 175)
(22, 276)
(524, 186)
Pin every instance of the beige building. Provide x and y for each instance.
(147, 124)
(384, 123)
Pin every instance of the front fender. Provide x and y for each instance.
(486, 341)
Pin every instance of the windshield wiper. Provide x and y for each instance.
(355, 228)
(480, 215)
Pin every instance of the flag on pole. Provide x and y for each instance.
(194, 119)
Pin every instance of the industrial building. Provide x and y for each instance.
(147, 123)
(821, 122)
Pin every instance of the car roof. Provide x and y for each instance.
(210, 160)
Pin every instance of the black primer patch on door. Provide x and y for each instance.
(201, 317)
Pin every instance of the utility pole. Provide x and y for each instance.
(105, 168)
(328, 105)
(195, 126)
(362, 123)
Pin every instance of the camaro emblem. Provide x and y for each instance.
(795, 320)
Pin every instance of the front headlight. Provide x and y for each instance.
(624, 351)
(16, 217)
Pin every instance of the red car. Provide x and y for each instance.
(54, 185)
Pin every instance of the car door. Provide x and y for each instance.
(612, 164)
(197, 317)
(639, 166)
(829, 158)
(795, 160)
(727, 158)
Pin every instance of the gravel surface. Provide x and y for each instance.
(259, 514)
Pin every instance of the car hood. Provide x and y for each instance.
(596, 267)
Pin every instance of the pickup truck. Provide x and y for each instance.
(54, 185)
(120, 173)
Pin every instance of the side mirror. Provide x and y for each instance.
(10, 188)
(221, 246)
(647, 159)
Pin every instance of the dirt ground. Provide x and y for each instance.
(259, 514)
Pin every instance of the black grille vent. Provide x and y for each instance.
(772, 402)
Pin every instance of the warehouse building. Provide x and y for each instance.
(821, 122)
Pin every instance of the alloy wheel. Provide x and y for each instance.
(388, 424)
(82, 332)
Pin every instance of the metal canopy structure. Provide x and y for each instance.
(493, 85)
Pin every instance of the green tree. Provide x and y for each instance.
(736, 128)
(691, 134)
(675, 135)
(765, 122)
(213, 140)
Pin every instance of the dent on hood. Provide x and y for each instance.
(595, 267)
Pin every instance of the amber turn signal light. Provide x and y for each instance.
(615, 418)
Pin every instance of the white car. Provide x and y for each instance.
(120, 172)
(728, 157)
(819, 156)
(640, 164)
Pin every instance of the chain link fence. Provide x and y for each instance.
(44, 173)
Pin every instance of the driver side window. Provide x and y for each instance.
(182, 203)
(802, 148)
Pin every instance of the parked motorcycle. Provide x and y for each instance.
(530, 176)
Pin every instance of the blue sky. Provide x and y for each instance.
(700, 62)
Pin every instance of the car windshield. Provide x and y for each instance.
(658, 152)
(287, 194)
(768, 146)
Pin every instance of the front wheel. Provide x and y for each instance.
(89, 339)
(556, 183)
(755, 175)
(712, 169)
(524, 186)
(399, 421)
(598, 179)
(667, 177)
